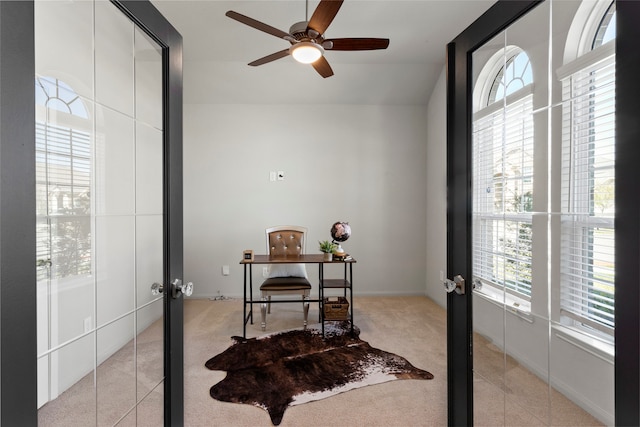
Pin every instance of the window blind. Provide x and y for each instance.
(588, 203)
(63, 182)
(503, 197)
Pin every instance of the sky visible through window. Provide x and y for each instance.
(516, 75)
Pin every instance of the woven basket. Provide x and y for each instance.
(336, 308)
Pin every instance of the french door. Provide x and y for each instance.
(461, 53)
(108, 186)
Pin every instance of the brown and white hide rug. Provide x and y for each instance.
(294, 367)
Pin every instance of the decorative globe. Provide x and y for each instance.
(340, 231)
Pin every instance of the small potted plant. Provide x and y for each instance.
(327, 248)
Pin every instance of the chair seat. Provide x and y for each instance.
(285, 284)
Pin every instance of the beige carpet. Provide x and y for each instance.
(412, 327)
(209, 325)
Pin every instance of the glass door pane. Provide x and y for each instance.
(149, 229)
(100, 216)
(543, 261)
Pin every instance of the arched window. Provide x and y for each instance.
(63, 180)
(607, 29)
(588, 177)
(515, 74)
(56, 94)
(503, 177)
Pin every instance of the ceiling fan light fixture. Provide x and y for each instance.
(306, 52)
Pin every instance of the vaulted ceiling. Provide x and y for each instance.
(217, 50)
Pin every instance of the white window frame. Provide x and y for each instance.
(578, 281)
(490, 252)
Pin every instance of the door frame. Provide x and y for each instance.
(18, 367)
(459, 207)
(459, 200)
(18, 350)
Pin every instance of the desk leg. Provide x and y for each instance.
(321, 293)
(244, 305)
(350, 291)
(345, 278)
(251, 292)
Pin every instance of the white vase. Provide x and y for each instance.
(328, 256)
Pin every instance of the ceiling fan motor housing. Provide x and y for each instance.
(299, 30)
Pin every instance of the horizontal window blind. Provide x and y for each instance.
(588, 202)
(503, 197)
(63, 182)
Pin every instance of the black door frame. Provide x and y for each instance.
(18, 365)
(627, 221)
(18, 373)
(459, 202)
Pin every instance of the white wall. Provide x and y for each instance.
(362, 164)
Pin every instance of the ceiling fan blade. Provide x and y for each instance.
(270, 58)
(257, 24)
(322, 67)
(324, 14)
(356, 44)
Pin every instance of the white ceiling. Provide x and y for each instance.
(217, 50)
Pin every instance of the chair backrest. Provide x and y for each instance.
(286, 240)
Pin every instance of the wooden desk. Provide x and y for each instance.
(345, 283)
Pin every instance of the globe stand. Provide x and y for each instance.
(340, 232)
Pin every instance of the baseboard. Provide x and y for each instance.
(589, 406)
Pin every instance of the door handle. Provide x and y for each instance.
(44, 262)
(457, 284)
(177, 287)
(157, 289)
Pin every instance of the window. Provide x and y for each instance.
(607, 28)
(503, 179)
(63, 182)
(588, 184)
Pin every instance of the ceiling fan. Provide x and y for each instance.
(307, 38)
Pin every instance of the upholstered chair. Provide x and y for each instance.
(285, 279)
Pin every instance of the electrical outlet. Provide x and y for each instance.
(225, 270)
(87, 324)
(272, 176)
(265, 271)
(280, 176)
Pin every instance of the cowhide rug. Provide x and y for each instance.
(299, 366)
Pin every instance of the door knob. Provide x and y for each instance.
(157, 289)
(457, 284)
(178, 287)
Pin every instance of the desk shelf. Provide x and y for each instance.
(345, 283)
(336, 284)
